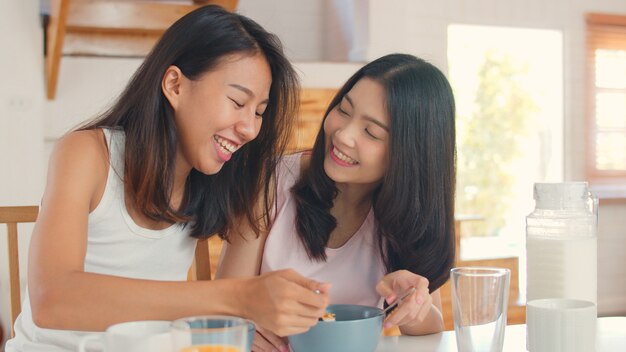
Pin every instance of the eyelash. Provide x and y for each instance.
(239, 106)
(343, 112)
(370, 134)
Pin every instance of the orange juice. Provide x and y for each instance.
(210, 348)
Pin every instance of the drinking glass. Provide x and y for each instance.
(479, 302)
(211, 333)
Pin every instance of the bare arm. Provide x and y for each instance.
(242, 256)
(64, 296)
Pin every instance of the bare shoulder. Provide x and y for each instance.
(81, 141)
(85, 147)
(80, 159)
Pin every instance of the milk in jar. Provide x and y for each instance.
(561, 242)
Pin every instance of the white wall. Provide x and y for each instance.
(22, 164)
(297, 23)
(21, 102)
(29, 124)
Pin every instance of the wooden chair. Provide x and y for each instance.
(205, 262)
(11, 216)
(201, 266)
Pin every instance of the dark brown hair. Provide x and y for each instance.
(414, 204)
(196, 44)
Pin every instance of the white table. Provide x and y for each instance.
(611, 337)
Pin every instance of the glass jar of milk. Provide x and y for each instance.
(561, 242)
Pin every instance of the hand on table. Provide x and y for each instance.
(415, 307)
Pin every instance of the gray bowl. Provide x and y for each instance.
(356, 329)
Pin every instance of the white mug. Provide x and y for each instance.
(134, 336)
(561, 325)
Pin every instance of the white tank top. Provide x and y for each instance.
(353, 269)
(116, 246)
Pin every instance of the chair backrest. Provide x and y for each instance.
(11, 216)
(201, 267)
(207, 257)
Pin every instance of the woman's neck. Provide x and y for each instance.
(354, 196)
(181, 173)
(350, 208)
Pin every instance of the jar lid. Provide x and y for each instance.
(562, 195)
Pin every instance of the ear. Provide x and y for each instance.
(171, 85)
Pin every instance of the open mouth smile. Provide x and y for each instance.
(341, 158)
(225, 147)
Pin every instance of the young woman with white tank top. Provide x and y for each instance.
(190, 143)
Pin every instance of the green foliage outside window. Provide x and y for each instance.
(490, 139)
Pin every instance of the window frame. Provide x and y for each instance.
(610, 183)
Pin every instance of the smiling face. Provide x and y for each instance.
(357, 135)
(219, 112)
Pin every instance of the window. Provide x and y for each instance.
(606, 115)
(508, 87)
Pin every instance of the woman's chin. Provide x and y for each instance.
(210, 168)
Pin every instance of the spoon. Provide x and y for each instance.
(317, 292)
(398, 301)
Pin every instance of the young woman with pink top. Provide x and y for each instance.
(371, 209)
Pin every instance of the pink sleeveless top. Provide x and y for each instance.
(354, 269)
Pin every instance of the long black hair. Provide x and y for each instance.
(196, 44)
(414, 203)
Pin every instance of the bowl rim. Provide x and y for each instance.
(376, 316)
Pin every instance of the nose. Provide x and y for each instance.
(246, 128)
(346, 135)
